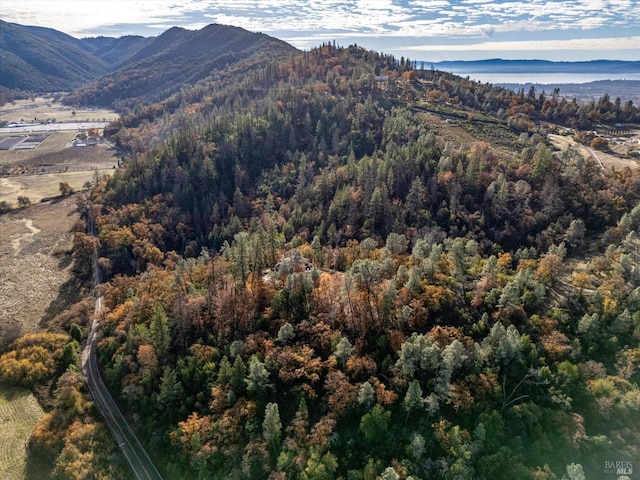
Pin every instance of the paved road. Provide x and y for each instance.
(140, 463)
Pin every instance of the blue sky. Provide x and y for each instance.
(429, 30)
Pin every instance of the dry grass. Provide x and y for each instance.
(57, 149)
(37, 173)
(19, 412)
(45, 109)
(36, 284)
(35, 263)
(607, 159)
(47, 185)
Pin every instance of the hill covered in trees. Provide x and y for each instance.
(134, 68)
(338, 266)
(176, 58)
(37, 59)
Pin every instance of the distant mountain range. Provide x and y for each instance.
(38, 60)
(581, 80)
(535, 66)
(124, 71)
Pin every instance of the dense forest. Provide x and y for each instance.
(339, 266)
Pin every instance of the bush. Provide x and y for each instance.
(599, 143)
(23, 201)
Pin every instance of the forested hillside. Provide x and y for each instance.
(128, 71)
(165, 64)
(310, 280)
(338, 266)
(44, 60)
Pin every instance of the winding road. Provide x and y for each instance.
(138, 459)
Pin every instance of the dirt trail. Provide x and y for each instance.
(16, 242)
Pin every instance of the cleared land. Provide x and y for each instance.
(35, 263)
(608, 159)
(37, 173)
(45, 109)
(19, 412)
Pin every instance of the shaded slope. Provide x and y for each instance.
(117, 51)
(177, 57)
(42, 59)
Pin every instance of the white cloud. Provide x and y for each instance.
(628, 43)
(81, 18)
(307, 23)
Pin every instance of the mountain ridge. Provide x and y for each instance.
(117, 51)
(43, 59)
(39, 60)
(116, 72)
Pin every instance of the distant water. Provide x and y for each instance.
(546, 78)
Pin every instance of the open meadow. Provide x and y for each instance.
(19, 412)
(35, 263)
(45, 109)
(37, 173)
(36, 284)
(36, 278)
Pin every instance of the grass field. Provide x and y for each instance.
(37, 173)
(19, 412)
(55, 142)
(44, 109)
(47, 185)
(35, 263)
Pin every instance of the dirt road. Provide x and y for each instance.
(606, 160)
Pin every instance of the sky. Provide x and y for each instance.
(427, 30)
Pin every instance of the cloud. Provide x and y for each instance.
(83, 18)
(305, 23)
(628, 43)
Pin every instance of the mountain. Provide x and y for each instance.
(337, 266)
(177, 57)
(117, 51)
(131, 68)
(44, 60)
(375, 275)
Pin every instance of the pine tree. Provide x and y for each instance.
(159, 329)
(366, 395)
(413, 398)
(271, 426)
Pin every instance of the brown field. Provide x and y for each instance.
(55, 142)
(35, 263)
(44, 109)
(19, 412)
(37, 173)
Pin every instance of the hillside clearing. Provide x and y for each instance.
(608, 160)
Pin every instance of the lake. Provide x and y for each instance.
(546, 78)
